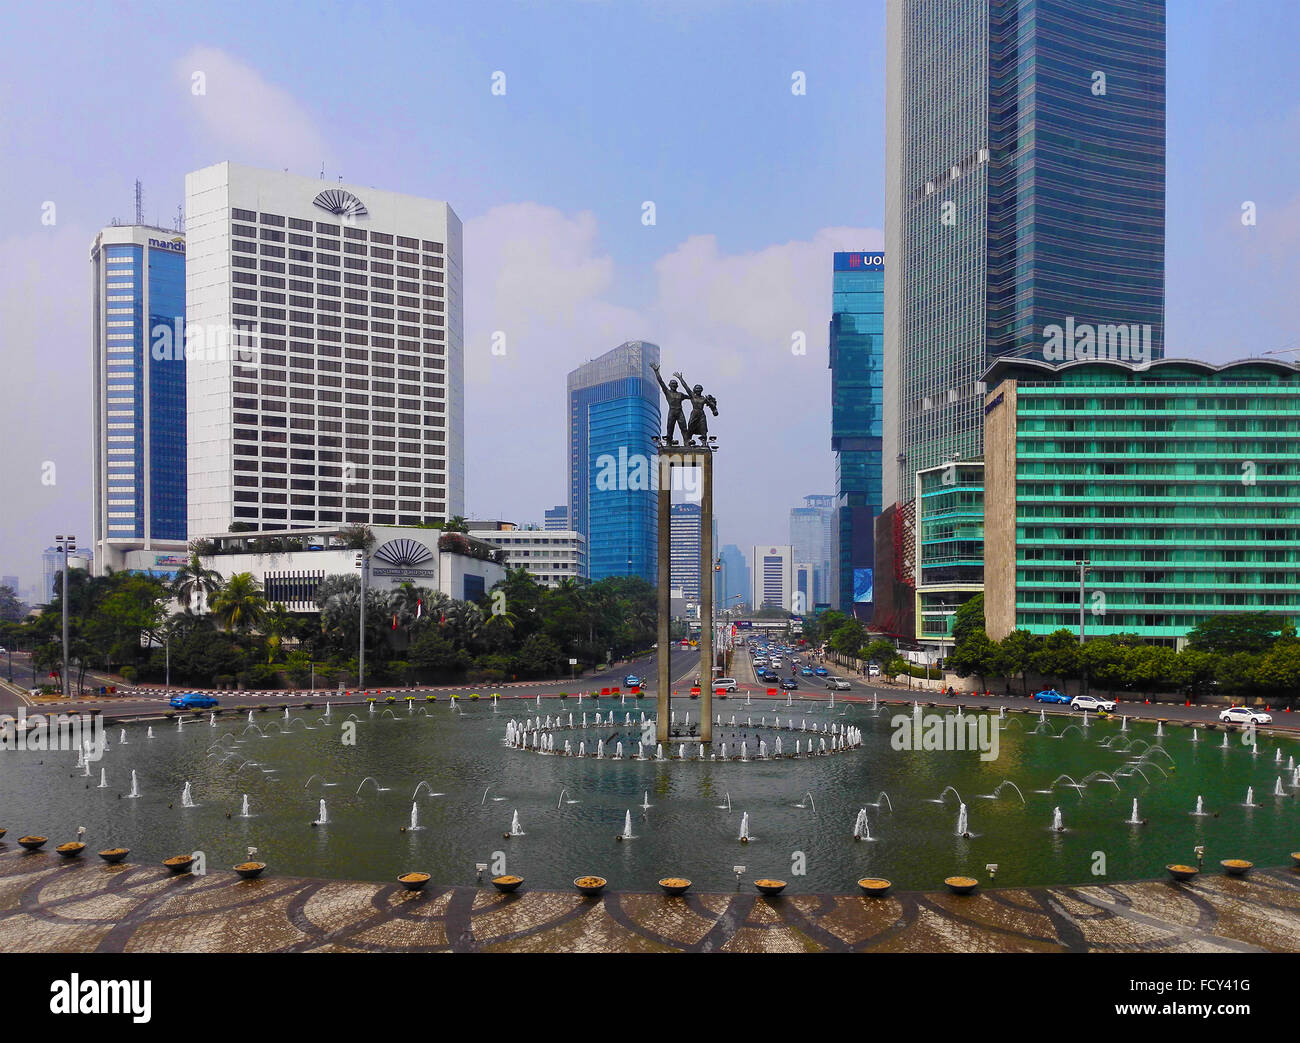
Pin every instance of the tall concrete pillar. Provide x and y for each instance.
(664, 501)
(705, 460)
(668, 459)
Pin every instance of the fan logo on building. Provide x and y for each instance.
(341, 204)
(1108, 343)
(405, 559)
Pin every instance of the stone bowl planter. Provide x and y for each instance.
(675, 885)
(413, 881)
(771, 888)
(590, 886)
(2, 833)
(1295, 858)
(875, 887)
(71, 850)
(250, 870)
(1181, 872)
(961, 885)
(179, 864)
(114, 855)
(1237, 866)
(32, 843)
(506, 884)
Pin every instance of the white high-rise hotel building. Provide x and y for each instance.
(349, 407)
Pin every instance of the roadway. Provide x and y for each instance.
(685, 667)
(146, 701)
(862, 690)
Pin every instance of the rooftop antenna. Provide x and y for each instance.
(139, 202)
(180, 217)
(322, 170)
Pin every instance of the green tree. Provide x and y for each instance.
(11, 609)
(977, 655)
(239, 604)
(1058, 658)
(1279, 670)
(1016, 656)
(194, 580)
(540, 657)
(1237, 632)
(878, 651)
(968, 618)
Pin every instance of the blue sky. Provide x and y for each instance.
(607, 105)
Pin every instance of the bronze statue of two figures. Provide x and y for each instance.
(696, 432)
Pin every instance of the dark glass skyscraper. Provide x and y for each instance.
(1025, 192)
(613, 414)
(857, 392)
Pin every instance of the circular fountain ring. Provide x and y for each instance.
(546, 741)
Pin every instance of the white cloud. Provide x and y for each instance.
(243, 117)
(540, 277)
(537, 277)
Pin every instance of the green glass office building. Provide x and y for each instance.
(1178, 483)
(949, 545)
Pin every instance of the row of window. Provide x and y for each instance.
(358, 234)
(312, 517)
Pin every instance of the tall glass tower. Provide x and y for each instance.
(812, 535)
(1024, 190)
(138, 366)
(857, 391)
(613, 415)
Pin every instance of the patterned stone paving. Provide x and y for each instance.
(49, 904)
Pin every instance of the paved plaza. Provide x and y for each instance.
(50, 904)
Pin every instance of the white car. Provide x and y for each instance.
(727, 684)
(1245, 715)
(1089, 702)
(873, 670)
(837, 684)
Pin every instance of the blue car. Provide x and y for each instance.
(1050, 695)
(821, 671)
(632, 681)
(789, 684)
(193, 701)
(807, 671)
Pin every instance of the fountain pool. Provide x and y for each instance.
(689, 808)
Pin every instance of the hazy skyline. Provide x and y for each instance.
(606, 106)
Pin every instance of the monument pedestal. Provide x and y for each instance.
(671, 456)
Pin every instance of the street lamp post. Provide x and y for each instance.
(167, 647)
(361, 563)
(65, 545)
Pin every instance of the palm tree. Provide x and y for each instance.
(456, 523)
(276, 624)
(193, 578)
(240, 604)
(464, 621)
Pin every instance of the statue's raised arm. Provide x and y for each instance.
(662, 386)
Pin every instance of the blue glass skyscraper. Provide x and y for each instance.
(613, 415)
(857, 395)
(138, 357)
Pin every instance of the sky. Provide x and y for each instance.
(608, 105)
